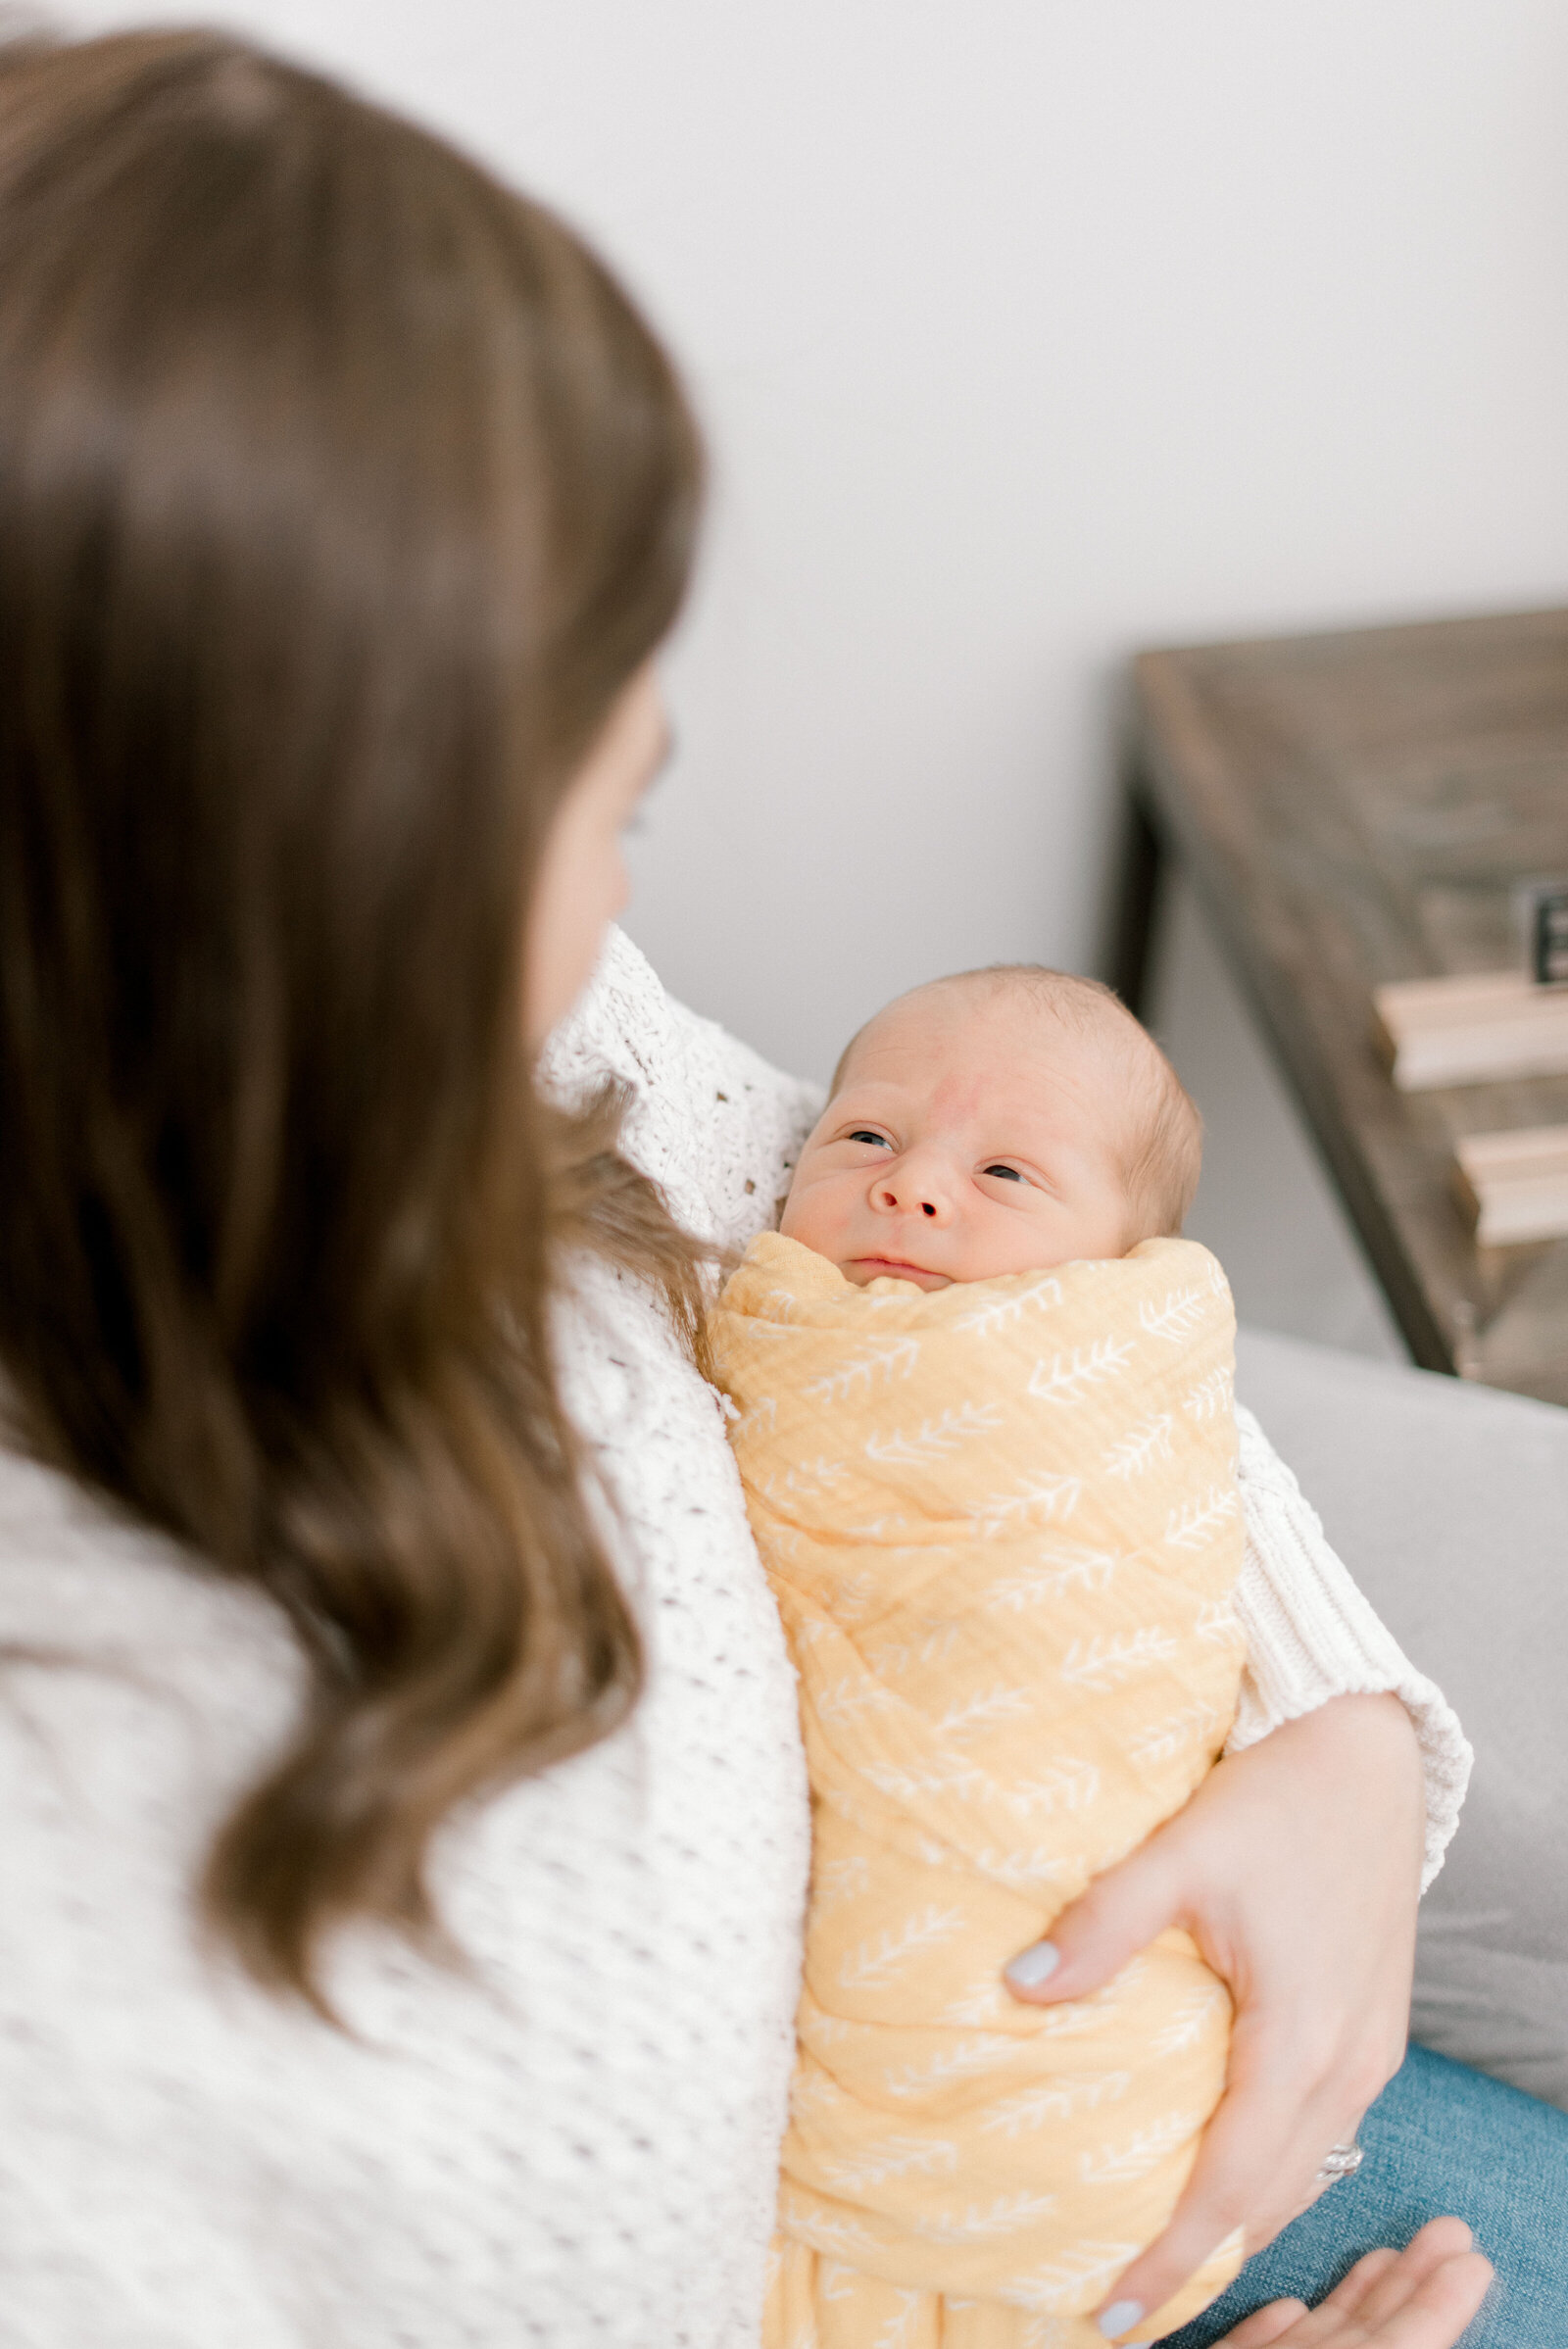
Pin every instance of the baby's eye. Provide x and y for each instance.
(864, 1134)
(1009, 1174)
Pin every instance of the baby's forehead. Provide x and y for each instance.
(1034, 1076)
(1004, 1031)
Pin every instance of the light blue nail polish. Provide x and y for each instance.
(1119, 2315)
(1031, 1967)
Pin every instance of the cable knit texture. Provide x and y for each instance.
(1311, 1635)
(576, 2142)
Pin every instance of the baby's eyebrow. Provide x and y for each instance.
(880, 1101)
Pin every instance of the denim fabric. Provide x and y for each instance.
(1441, 2139)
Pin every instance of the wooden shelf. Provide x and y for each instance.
(1513, 1188)
(1474, 1030)
(1358, 814)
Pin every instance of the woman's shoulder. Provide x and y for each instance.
(83, 1584)
(709, 1120)
(137, 1688)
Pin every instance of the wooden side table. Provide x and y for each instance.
(1352, 808)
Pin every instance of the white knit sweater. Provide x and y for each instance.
(575, 2144)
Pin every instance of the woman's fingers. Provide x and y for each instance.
(1295, 1869)
(1445, 2304)
(1121, 1913)
(1432, 2314)
(1265, 2325)
(1351, 2289)
(1438, 2312)
(1256, 2168)
(1437, 2278)
(1383, 2280)
(1420, 2298)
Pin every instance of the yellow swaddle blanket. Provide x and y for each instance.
(1002, 1523)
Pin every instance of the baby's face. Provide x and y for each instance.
(973, 1135)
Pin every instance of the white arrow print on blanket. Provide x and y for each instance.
(1210, 1396)
(1068, 1378)
(1008, 1513)
(937, 1438)
(895, 1360)
(1069, 1784)
(874, 1963)
(977, 1714)
(1054, 2101)
(894, 2156)
(1009, 2213)
(1134, 1453)
(1189, 2023)
(1137, 2155)
(1101, 1663)
(1065, 1570)
(826, 2231)
(965, 2059)
(1177, 1318)
(1009, 1310)
(1073, 2276)
(1189, 1526)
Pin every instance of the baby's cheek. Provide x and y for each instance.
(811, 1217)
(997, 1258)
(795, 1217)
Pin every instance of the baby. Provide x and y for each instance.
(982, 1400)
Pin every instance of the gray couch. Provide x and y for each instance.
(1449, 1504)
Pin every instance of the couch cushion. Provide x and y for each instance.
(1449, 1504)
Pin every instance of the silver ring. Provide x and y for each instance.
(1340, 2161)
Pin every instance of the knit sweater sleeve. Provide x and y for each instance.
(1311, 1635)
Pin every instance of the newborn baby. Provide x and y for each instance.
(982, 1412)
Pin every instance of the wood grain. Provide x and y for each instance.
(1514, 1187)
(1474, 1029)
(1358, 808)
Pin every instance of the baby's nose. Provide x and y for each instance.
(907, 1195)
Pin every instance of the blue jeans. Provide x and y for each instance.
(1441, 2139)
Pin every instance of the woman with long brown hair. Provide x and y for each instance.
(401, 1802)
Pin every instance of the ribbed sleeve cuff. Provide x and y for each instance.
(1311, 1635)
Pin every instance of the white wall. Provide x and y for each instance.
(1027, 331)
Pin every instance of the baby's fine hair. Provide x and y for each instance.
(1163, 1139)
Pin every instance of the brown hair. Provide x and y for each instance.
(340, 493)
(1163, 1139)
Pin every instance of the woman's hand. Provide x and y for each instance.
(1420, 2298)
(1296, 1868)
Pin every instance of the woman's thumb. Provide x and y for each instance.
(1090, 1941)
